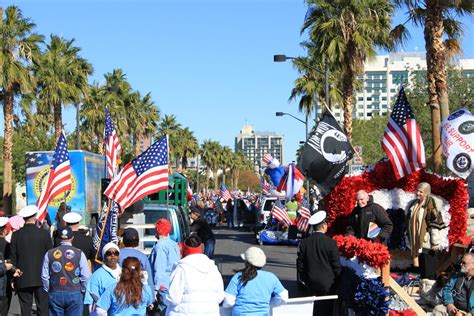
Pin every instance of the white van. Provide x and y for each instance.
(266, 207)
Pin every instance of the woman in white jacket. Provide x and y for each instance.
(196, 286)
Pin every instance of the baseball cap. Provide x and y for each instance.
(130, 234)
(255, 256)
(65, 233)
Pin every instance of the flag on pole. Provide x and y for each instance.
(265, 185)
(292, 182)
(325, 154)
(58, 180)
(279, 212)
(144, 175)
(112, 146)
(225, 194)
(302, 220)
(457, 138)
(402, 140)
(106, 230)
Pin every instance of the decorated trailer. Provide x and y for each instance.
(85, 196)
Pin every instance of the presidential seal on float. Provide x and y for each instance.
(40, 183)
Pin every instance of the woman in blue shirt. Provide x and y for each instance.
(251, 290)
(130, 296)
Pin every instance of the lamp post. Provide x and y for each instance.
(306, 138)
(283, 58)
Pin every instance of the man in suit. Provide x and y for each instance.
(28, 247)
(318, 264)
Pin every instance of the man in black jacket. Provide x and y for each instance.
(204, 231)
(364, 214)
(28, 248)
(318, 264)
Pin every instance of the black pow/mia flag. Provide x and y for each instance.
(325, 154)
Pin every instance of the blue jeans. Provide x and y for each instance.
(209, 248)
(161, 301)
(65, 303)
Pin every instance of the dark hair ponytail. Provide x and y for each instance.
(248, 273)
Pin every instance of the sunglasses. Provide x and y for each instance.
(111, 253)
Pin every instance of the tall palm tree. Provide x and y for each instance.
(62, 77)
(92, 119)
(189, 144)
(346, 33)
(226, 161)
(169, 126)
(439, 20)
(210, 155)
(18, 47)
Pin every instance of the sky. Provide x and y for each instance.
(208, 62)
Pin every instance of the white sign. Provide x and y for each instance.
(457, 139)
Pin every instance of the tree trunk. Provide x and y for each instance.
(58, 121)
(137, 145)
(207, 179)
(7, 151)
(436, 77)
(216, 180)
(223, 176)
(236, 180)
(100, 143)
(347, 92)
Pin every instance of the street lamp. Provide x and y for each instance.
(283, 58)
(306, 124)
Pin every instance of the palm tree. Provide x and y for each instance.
(62, 77)
(169, 126)
(226, 161)
(210, 155)
(438, 19)
(92, 119)
(18, 47)
(189, 145)
(345, 33)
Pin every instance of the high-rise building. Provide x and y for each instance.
(255, 144)
(382, 79)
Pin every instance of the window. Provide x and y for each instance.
(360, 99)
(384, 98)
(369, 98)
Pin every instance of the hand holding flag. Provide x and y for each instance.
(280, 214)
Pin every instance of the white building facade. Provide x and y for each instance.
(382, 79)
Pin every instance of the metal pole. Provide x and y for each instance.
(326, 79)
(307, 180)
(197, 175)
(78, 122)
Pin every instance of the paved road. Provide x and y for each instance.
(281, 259)
(230, 243)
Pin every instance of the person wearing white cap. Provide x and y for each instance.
(28, 247)
(81, 240)
(252, 291)
(107, 275)
(6, 297)
(318, 264)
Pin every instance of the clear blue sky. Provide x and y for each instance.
(209, 62)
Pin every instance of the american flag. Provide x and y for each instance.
(265, 186)
(267, 158)
(144, 175)
(225, 194)
(112, 146)
(402, 140)
(279, 212)
(58, 180)
(302, 221)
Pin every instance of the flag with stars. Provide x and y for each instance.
(112, 146)
(59, 178)
(144, 175)
(402, 140)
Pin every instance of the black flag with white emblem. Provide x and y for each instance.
(325, 154)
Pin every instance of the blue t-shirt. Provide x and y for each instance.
(254, 298)
(109, 302)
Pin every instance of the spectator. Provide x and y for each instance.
(62, 210)
(424, 225)
(164, 255)
(130, 296)
(103, 277)
(5, 278)
(65, 275)
(28, 247)
(196, 285)
(251, 291)
(364, 214)
(204, 231)
(229, 207)
(457, 294)
(21, 202)
(81, 240)
(318, 263)
(131, 240)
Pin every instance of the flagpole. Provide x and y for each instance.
(168, 160)
(109, 203)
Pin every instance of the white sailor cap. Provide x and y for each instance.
(317, 218)
(72, 218)
(28, 211)
(3, 221)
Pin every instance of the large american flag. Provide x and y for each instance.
(302, 220)
(402, 140)
(144, 175)
(225, 194)
(58, 180)
(112, 146)
(279, 212)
